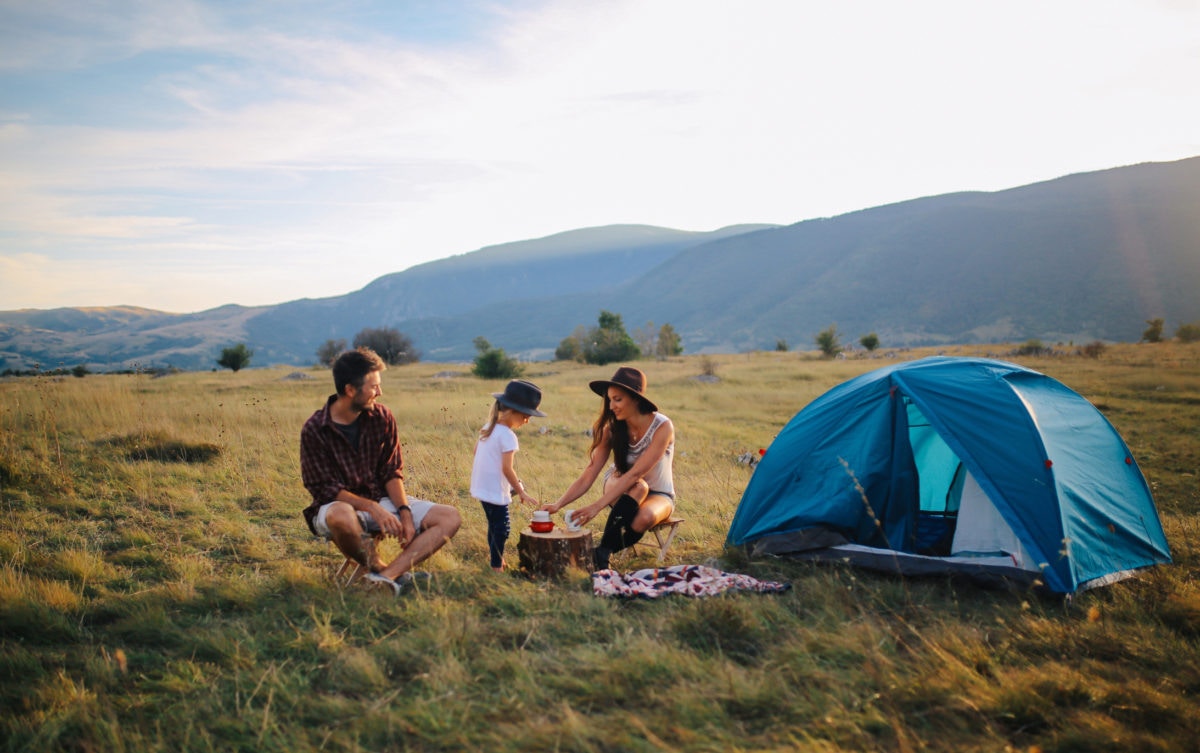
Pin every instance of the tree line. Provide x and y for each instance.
(606, 342)
(1184, 333)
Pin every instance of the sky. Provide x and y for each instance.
(181, 155)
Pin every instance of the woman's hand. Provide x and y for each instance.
(585, 514)
(550, 508)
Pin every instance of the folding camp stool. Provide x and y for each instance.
(350, 570)
(664, 534)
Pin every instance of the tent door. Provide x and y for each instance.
(941, 476)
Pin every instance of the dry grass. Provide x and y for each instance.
(158, 590)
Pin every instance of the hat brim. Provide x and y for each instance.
(600, 387)
(500, 398)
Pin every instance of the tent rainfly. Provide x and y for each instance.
(955, 465)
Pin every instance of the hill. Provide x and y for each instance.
(1079, 258)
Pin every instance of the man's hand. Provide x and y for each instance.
(389, 523)
(408, 530)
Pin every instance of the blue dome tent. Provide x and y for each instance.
(949, 465)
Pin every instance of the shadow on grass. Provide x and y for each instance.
(160, 448)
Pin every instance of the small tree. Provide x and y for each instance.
(869, 342)
(610, 342)
(669, 342)
(781, 345)
(1094, 349)
(1188, 333)
(646, 338)
(571, 347)
(1153, 333)
(493, 363)
(235, 358)
(828, 342)
(329, 350)
(392, 345)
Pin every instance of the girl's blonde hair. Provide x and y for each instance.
(493, 417)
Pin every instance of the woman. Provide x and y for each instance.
(639, 485)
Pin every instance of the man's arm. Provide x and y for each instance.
(404, 519)
(318, 469)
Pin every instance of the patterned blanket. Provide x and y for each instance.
(689, 580)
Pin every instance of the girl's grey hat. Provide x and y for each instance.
(521, 396)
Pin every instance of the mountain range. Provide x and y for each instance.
(1085, 257)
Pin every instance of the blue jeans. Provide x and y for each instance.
(498, 530)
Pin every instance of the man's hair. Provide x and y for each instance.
(352, 367)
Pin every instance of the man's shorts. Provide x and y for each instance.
(419, 508)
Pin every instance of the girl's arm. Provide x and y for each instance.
(510, 472)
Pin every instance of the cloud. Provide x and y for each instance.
(199, 136)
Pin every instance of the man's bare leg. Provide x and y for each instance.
(438, 527)
(346, 532)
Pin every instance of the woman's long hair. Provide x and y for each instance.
(618, 431)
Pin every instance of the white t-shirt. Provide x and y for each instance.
(488, 483)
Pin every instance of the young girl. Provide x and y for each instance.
(493, 477)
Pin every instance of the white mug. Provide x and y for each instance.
(541, 516)
(569, 519)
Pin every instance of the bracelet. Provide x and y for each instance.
(403, 507)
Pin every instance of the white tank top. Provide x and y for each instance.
(660, 478)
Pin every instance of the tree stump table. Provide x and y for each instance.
(549, 554)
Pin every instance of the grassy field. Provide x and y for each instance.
(160, 592)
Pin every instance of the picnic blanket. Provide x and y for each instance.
(688, 580)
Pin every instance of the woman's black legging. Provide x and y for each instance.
(618, 531)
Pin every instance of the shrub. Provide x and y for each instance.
(1031, 347)
(1188, 333)
(1153, 333)
(392, 345)
(605, 343)
(827, 341)
(329, 350)
(1094, 349)
(235, 358)
(669, 342)
(493, 363)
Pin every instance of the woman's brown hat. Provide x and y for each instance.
(627, 378)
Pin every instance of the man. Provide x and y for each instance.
(350, 462)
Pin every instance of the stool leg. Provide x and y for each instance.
(341, 571)
(350, 570)
(664, 545)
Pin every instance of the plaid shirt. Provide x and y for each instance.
(329, 463)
